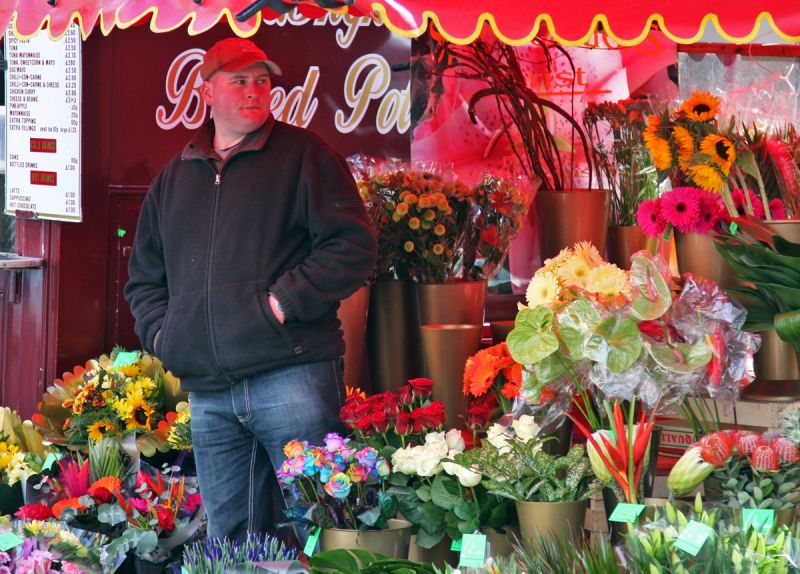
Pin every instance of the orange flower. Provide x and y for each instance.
(74, 502)
(513, 376)
(483, 367)
(103, 488)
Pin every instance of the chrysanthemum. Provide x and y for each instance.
(721, 151)
(706, 177)
(681, 208)
(550, 265)
(100, 429)
(648, 216)
(608, 280)
(685, 144)
(543, 289)
(574, 271)
(701, 106)
(589, 252)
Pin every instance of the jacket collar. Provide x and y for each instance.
(201, 145)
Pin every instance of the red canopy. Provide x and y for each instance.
(625, 22)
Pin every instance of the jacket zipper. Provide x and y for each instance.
(209, 322)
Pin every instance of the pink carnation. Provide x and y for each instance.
(648, 216)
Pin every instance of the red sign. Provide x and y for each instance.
(44, 178)
(43, 145)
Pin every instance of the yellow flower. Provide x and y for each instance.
(706, 177)
(408, 246)
(608, 280)
(701, 107)
(140, 387)
(543, 290)
(589, 252)
(438, 248)
(685, 143)
(34, 526)
(721, 151)
(574, 271)
(439, 230)
(661, 153)
(100, 429)
(550, 265)
(350, 391)
(129, 370)
(401, 209)
(140, 415)
(410, 198)
(414, 223)
(7, 452)
(429, 215)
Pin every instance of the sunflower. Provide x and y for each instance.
(608, 280)
(129, 370)
(543, 290)
(700, 107)
(658, 147)
(685, 144)
(706, 177)
(574, 271)
(100, 429)
(141, 414)
(721, 150)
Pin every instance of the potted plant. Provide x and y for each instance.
(623, 166)
(216, 555)
(550, 492)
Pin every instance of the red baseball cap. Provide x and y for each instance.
(232, 54)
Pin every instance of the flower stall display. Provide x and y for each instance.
(215, 555)
(107, 397)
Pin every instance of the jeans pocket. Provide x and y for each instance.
(337, 366)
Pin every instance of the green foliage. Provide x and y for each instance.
(355, 561)
(746, 487)
(105, 459)
(219, 556)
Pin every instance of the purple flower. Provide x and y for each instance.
(368, 457)
(334, 441)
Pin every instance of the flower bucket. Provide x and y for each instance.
(457, 302)
(392, 542)
(439, 555)
(501, 543)
(697, 254)
(559, 520)
(142, 566)
(625, 240)
(11, 498)
(353, 318)
(567, 217)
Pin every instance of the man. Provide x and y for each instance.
(246, 243)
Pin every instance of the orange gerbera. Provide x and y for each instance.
(103, 488)
(513, 376)
(482, 369)
(74, 502)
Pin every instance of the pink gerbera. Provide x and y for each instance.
(648, 216)
(681, 208)
(710, 212)
(740, 203)
(777, 209)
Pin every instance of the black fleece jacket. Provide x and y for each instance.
(280, 215)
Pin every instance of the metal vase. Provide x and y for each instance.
(446, 348)
(554, 520)
(439, 555)
(454, 303)
(392, 542)
(353, 313)
(392, 335)
(501, 329)
(567, 217)
(625, 240)
(697, 254)
(502, 543)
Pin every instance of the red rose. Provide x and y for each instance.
(405, 394)
(403, 424)
(478, 415)
(490, 236)
(421, 386)
(428, 417)
(379, 421)
(165, 519)
(38, 511)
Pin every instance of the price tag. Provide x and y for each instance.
(473, 551)
(51, 459)
(734, 226)
(625, 512)
(311, 543)
(455, 546)
(124, 358)
(693, 537)
(760, 519)
(9, 540)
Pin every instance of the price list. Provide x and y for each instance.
(43, 126)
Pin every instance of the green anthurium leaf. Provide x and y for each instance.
(576, 322)
(682, 357)
(532, 338)
(651, 296)
(550, 368)
(616, 344)
(787, 325)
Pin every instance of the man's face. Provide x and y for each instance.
(239, 100)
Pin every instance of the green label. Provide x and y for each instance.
(121, 232)
(455, 546)
(9, 540)
(693, 537)
(625, 512)
(51, 459)
(311, 543)
(758, 518)
(124, 358)
(734, 227)
(473, 551)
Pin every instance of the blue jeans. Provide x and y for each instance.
(239, 433)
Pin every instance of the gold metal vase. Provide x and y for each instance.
(445, 348)
(567, 217)
(697, 255)
(459, 302)
(439, 555)
(353, 313)
(392, 542)
(625, 240)
(554, 520)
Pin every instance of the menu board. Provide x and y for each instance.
(43, 126)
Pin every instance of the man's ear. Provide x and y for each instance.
(206, 91)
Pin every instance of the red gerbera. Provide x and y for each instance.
(648, 216)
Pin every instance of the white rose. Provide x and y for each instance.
(436, 442)
(498, 438)
(468, 477)
(428, 461)
(455, 441)
(526, 428)
(451, 467)
(403, 460)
